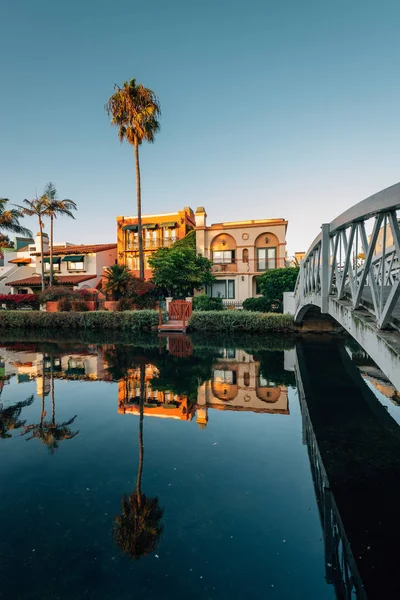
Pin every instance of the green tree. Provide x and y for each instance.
(138, 529)
(9, 219)
(54, 209)
(180, 270)
(36, 208)
(274, 283)
(135, 110)
(5, 241)
(118, 280)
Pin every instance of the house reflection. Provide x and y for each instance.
(236, 384)
(157, 403)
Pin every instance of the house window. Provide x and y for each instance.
(266, 259)
(225, 376)
(223, 256)
(56, 266)
(222, 288)
(23, 291)
(75, 266)
(245, 256)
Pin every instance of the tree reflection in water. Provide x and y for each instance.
(138, 529)
(50, 433)
(10, 417)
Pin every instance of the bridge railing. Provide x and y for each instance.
(356, 258)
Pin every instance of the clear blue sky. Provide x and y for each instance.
(269, 109)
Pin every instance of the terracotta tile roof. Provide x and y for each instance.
(80, 249)
(35, 280)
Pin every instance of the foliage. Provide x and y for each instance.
(125, 303)
(5, 241)
(118, 280)
(142, 293)
(180, 270)
(189, 241)
(10, 417)
(96, 320)
(204, 302)
(135, 110)
(9, 219)
(240, 320)
(31, 208)
(55, 208)
(259, 304)
(274, 283)
(15, 301)
(65, 304)
(51, 433)
(138, 529)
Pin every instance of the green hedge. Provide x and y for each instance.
(204, 302)
(127, 321)
(240, 320)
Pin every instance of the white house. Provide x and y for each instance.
(79, 266)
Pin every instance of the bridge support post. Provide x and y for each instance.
(325, 275)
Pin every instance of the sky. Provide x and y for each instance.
(270, 109)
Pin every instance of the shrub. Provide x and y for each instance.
(260, 304)
(65, 304)
(242, 320)
(54, 293)
(79, 305)
(274, 283)
(124, 304)
(96, 320)
(15, 301)
(204, 302)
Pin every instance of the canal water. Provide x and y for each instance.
(169, 468)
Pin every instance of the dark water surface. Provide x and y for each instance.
(219, 495)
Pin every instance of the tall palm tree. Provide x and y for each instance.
(135, 110)
(118, 280)
(9, 219)
(55, 208)
(36, 208)
(138, 529)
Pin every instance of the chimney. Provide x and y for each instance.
(201, 216)
(45, 242)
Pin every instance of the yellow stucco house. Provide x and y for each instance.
(240, 251)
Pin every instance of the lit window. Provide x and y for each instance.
(223, 256)
(75, 266)
(56, 267)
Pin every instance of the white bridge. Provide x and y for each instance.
(352, 273)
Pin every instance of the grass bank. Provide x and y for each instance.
(136, 320)
(241, 320)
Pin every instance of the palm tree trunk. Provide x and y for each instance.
(139, 211)
(53, 402)
(51, 250)
(41, 249)
(141, 449)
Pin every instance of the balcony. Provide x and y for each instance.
(224, 267)
(152, 244)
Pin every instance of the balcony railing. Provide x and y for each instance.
(152, 244)
(249, 266)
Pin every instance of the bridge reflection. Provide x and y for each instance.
(354, 451)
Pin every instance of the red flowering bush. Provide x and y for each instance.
(15, 301)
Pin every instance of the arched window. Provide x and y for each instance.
(245, 255)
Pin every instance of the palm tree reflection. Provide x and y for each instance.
(9, 417)
(138, 529)
(50, 433)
